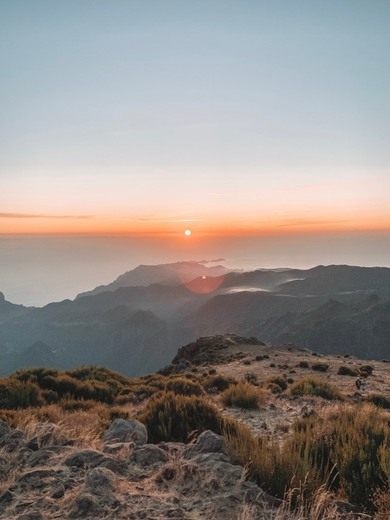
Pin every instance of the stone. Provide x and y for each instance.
(100, 480)
(83, 458)
(58, 491)
(85, 504)
(4, 428)
(149, 455)
(208, 442)
(122, 430)
(117, 447)
(32, 515)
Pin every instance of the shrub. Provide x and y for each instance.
(116, 412)
(184, 386)
(303, 364)
(320, 367)
(16, 394)
(171, 417)
(379, 400)
(274, 389)
(346, 450)
(242, 395)
(71, 405)
(366, 370)
(346, 371)
(279, 381)
(314, 386)
(219, 382)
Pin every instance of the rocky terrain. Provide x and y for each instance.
(51, 476)
(48, 471)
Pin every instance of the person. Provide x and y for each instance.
(358, 383)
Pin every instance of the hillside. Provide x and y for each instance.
(90, 443)
(137, 329)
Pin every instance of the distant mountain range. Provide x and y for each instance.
(136, 324)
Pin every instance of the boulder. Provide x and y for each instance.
(208, 442)
(100, 480)
(91, 458)
(149, 455)
(84, 505)
(122, 430)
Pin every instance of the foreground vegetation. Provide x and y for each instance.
(342, 451)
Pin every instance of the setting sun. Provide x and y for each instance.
(188, 232)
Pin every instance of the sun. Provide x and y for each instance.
(188, 232)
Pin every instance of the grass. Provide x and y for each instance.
(342, 451)
(346, 451)
(243, 395)
(316, 387)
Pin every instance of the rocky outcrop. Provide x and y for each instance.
(130, 479)
(208, 350)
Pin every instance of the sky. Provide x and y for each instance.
(226, 117)
(262, 126)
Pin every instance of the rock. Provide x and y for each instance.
(32, 515)
(38, 457)
(12, 441)
(100, 480)
(149, 455)
(208, 442)
(122, 430)
(83, 458)
(4, 428)
(58, 491)
(85, 504)
(37, 477)
(6, 497)
(118, 447)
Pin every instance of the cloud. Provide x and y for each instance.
(212, 261)
(313, 222)
(166, 219)
(38, 215)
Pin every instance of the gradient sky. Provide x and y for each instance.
(151, 116)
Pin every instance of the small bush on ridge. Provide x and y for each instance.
(242, 395)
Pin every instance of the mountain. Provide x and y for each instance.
(137, 329)
(166, 274)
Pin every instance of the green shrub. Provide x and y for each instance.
(274, 389)
(184, 386)
(346, 371)
(171, 417)
(219, 382)
(320, 367)
(314, 386)
(279, 381)
(242, 395)
(17, 394)
(379, 400)
(366, 370)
